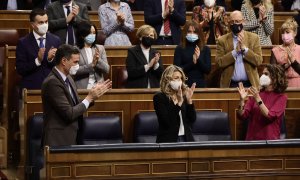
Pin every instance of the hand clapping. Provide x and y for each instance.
(196, 55)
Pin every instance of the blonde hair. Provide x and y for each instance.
(289, 24)
(167, 76)
(145, 30)
(267, 3)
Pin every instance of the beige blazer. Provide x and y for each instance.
(226, 61)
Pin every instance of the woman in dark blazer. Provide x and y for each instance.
(143, 63)
(193, 57)
(174, 108)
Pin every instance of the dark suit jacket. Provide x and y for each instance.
(61, 114)
(153, 17)
(169, 120)
(26, 53)
(57, 19)
(137, 77)
(183, 57)
(138, 5)
(20, 3)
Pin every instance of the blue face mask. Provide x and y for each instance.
(117, 0)
(90, 39)
(192, 37)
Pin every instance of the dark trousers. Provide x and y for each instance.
(236, 83)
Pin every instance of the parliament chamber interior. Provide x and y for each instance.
(121, 128)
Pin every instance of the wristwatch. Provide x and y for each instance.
(259, 103)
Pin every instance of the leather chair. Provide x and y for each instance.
(35, 156)
(211, 126)
(101, 37)
(102, 130)
(145, 127)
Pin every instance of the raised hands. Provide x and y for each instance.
(98, 90)
(96, 57)
(154, 60)
(189, 93)
(243, 92)
(196, 55)
(75, 11)
(262, 12)
(120, 17)
(51, 53)
(254, 92)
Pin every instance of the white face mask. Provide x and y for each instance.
(175, 85)
(209, 3)
(73, 70)
(42, 29)
(264, 80)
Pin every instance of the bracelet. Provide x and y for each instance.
(259, 103)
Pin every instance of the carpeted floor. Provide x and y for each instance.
(2, 176)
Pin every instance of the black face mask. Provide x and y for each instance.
(255, 2)
(64, 1)
(147, 41)
(256, 11)
(236, 28)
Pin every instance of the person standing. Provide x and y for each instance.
(63, 111)
(265, 109)
(174, 107)
(193, 57)
(166, 16)
(259, 19)
(64, 17)
(288, 54)
(238, 54)
(116, 21)
(143, 63)
(35, 52)
(93, 63)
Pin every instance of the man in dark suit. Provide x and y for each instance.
(64, 17)
(35, 52)
(166, 18)
(63, 111)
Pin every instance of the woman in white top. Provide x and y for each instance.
(93, 63)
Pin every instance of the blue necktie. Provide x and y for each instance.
(41, 39)
(70, 29)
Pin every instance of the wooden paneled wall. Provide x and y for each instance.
(20, 20)
(212, 160)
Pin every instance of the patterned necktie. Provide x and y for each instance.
(70, 29)
(166, 21)
(41, 45)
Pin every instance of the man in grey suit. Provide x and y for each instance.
(64, 17)
(63, 111)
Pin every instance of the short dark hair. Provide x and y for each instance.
(36, 12)
(65, 51)
(84, 29)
